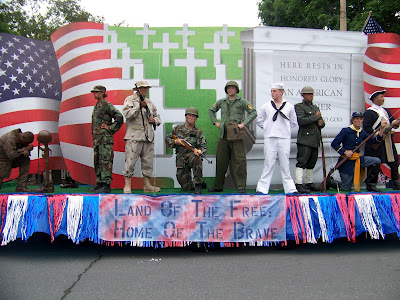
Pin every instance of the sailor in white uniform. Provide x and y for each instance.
(276, 118)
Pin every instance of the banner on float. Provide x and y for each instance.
(219, 218)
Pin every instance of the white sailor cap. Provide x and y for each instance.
(277, 85)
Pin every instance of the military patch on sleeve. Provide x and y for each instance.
(249, 106)
(214, 105)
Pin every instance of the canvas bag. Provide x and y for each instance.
(233, 132)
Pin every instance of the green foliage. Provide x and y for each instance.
(38, 19)
(321, 13)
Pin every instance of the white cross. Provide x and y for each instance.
(217, 46)
(226, 33)
(191, 63)
(145, 32)
(185, 32)
(218, 83)
(125, 62)
(165, 46)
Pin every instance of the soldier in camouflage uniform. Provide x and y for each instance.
(103, 129)
(141, 120)
(187, 159)
(232, 108)
(15, 149)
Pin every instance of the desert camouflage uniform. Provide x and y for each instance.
(139, 139)
(186, 160)
(103, 141)
(11, 156)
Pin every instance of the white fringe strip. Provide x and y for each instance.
(369, 215)
(304, 201)
(16, 209)
(74, 217)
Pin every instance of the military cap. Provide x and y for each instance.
(98, 88)
(142, 83)
(374, 94)
(357, 114)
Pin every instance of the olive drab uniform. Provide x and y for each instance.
(186, 160)
(104, 112)
(309, 135)
(228, 150)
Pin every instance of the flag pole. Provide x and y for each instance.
(343, 15)
(366, 21)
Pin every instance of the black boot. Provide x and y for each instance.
(373, 188)
(92, 189)
(197, 189)
(395, 177)
(104, 189)
(302, 189)
(311, 186)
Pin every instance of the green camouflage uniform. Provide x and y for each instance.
(227, 150)
(12, 156)
(186, 160)
(103, 141)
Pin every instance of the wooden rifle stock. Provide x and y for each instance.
(337, 166)
(323, 162)
(187, 145)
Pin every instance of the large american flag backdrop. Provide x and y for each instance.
(87, 56)
(382, 71)
(30, 93)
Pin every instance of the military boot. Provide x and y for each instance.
(148, 188)
(302, 189)
(93, 189)
(104, 189)
(197, 189)
(22, 189)
(128, 185)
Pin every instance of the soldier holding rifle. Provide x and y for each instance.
(345, 144)
(141, 119)
(190, 145)
(386, 150)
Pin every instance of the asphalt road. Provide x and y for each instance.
(39, 270)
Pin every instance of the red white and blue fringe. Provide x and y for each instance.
(308, 219)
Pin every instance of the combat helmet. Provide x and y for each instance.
(307, 90)
(192, 110)
(232, 83)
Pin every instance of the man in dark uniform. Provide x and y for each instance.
(186, 159)
(308, 140)
(344, 143)
(386, 150)
(15, 150)
(103, 129)
(232, 108)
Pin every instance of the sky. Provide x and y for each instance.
(175, 13)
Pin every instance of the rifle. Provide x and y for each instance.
(385, 132)
(337, 166)
(189, 146)
(323, 162)
(148, 113)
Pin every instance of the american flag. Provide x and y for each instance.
(372, 26)
(89, 54)
(382, 71)
(30, 93)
